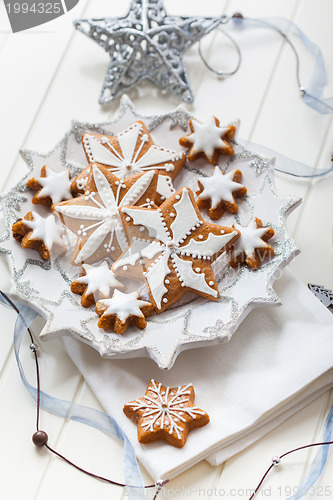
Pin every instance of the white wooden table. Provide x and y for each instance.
(52, 74)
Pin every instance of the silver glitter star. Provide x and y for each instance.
(146, 44)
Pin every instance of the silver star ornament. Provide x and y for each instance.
(147, 44)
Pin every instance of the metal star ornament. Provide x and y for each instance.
(147, 44)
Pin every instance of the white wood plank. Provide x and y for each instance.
(79, 100)
(59, 378)
(29, 61)
(90, 449)
(244, 471)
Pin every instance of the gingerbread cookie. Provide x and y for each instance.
(96, 283)
(173, 247)
(218, 192)
(52, 187)
(130, 152)
(94, 217)
(252, 246)
(166, 413)
(208, 140)
(40, 233)
(123, 310)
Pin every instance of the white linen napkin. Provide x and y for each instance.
(279, 360)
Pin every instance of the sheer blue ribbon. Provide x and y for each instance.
(319, 462)
(73, 411)
(312, 95)
(287, 165)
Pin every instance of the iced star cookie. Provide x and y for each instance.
(39, 233)
(94, 216)
(218, 192)
(96, 282)
(166, 413)
(208, 140)
(51, 187)
(251, 247)
(173, 247)
(123, 310)
(130, 152)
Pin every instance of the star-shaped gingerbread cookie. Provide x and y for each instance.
(123, 310)
(51, 187)
(94, 216)
(166, 413)
(208, 140)
(218, 192)
(173, 247)
(130, 152)
(251, 247)
(96, 283)
(39, 233)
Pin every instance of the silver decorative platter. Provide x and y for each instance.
(194, 321)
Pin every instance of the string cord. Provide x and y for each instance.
(239, 18)
(160, 483)
(34, 350)
(277, 462)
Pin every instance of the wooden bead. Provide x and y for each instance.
(40, 438)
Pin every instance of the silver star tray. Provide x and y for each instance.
(194, 321)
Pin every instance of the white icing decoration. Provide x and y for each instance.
(124, 305)
(156, 229)
(99, 279)
(207, 137)
(46, 230)
(129, 162)
(154, 281)
(138, 249)
(196, 281)
(250, 239)
(56, 185)
(219, 187)
(166, 408)
(103, 212)
(164, 186)
(82, 183)
(209, 246)
(169, 250)
(186, 217)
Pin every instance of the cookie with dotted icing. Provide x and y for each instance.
(251, 247)
(96, 282)
(51, 187)
(94, 216)
(217, 193)
(166, 413)
(208, 140)
(123, 310)
(173, 248)
(130, 152)
(39, 233)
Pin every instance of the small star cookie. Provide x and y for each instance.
(166, 413)
(130, 152)
(39, 233)
(96, 283)
(209, 140)
(218, 192)
(123, 310)
(251, 247)
(52, 187)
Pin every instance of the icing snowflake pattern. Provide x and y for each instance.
(181, 250)
(166, 408)
(101, 233)
(136, 153)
